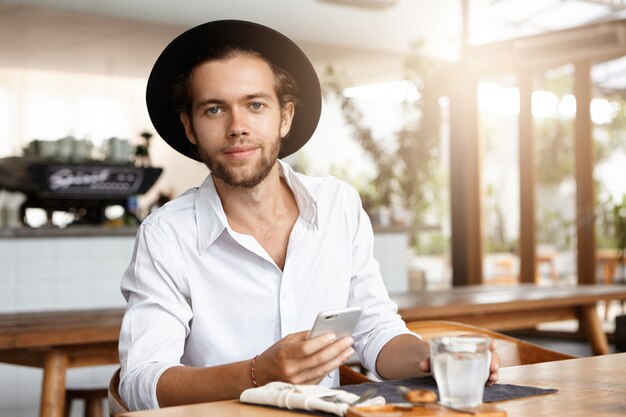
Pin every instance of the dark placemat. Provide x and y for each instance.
(493, 393)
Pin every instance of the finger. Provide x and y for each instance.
(283, 359)
(495, 362)
(493, 345)
(320, 369)
(293, 359)
(424, 365)
(311, 346)
(298, 336)
(494, 367)
(296, 348)
(327, 353)
(424, 353)
(493, 377)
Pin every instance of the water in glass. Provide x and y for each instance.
(460, 366)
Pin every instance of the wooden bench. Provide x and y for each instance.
(56, 341)
(514, 307)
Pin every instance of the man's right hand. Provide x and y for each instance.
(299, 360)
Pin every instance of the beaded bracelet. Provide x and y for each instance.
(252, 374)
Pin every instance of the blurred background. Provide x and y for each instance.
(486, 138)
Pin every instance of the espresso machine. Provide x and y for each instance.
(84, 188)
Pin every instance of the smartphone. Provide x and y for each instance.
(341, 322)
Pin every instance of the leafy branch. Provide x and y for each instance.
(406, 172)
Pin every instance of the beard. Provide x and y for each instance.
(238, 175)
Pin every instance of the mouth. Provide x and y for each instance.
(240, 152)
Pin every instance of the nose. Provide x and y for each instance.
(238, 125)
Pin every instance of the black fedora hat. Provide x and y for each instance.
(189, 48)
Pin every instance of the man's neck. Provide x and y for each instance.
(248, 208)
(267, 212)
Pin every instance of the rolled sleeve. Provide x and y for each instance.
(156, 321)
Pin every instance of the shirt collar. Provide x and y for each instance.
(211, 219)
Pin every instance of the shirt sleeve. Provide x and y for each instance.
(379, 321)
(156, 321)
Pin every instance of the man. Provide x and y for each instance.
(226, 280)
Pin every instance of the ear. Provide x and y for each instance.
(189, 131)
(286, 118)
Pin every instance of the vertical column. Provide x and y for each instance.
(527, 235)
(466, 195)
(585, 201)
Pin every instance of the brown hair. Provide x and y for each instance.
(286, 87)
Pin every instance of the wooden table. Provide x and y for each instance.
(56, 341)
(514, 307)
(594, 386)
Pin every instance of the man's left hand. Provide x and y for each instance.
(494, 366)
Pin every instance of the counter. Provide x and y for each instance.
(63, 269)
(70, 231)
(81, 266)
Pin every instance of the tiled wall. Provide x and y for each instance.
(61, 273)
(57, 273)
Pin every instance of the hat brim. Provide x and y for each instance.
(183, 53)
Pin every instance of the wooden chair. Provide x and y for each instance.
(512, 351)
(93, 398)
(117, 405)
(348, 376)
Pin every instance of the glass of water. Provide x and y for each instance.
(460, 366)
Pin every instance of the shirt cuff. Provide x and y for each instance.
(372, 350)
(141, 386)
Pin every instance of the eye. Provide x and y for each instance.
(213, 110)
(256, 105)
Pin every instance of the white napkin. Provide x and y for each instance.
(305, 397)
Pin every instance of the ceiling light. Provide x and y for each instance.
(368, 4)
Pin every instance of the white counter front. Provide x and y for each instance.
(62, 271)
(58, 269)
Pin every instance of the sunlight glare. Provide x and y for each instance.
(391, 92)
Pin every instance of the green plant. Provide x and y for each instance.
(406, 174)
(613, 221)
(555, 136)
(554, 229)
(432, 243)
(555, 164)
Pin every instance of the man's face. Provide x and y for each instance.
(236, 121)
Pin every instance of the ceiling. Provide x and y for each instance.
(310, 21)
(129, 35)
(124, 37)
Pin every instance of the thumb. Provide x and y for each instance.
(424, 365)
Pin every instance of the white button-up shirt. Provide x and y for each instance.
(201, 294)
